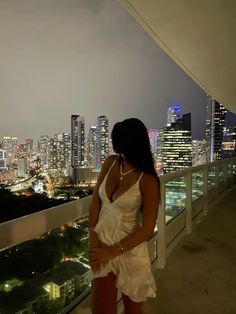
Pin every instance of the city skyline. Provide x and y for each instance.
(230, 122)
(88, 58)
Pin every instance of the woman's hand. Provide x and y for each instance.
(94, 242)
(102, 254)
(95, 265)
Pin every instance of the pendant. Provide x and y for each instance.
(121, 178)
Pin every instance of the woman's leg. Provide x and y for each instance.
(104, 295)
(132, 307)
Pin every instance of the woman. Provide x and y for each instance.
(122, 218)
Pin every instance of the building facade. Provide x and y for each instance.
(91, 147)
(215, 123)
(44, 151)
(3, 160)
(77, 141)
(22, 167)
(102, 147)
(199, 152)
(152, 134)
(59, 153)
(229, 143)
(173, 113)
(77, 145)
(175, 145)
(9, 145)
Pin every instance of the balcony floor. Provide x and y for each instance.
(200, 277)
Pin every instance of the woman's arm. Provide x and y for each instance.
(150, 191)
(95, 205)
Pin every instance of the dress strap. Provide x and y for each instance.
(140, 177)
(112, 165)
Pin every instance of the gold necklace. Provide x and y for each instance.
(122, 174)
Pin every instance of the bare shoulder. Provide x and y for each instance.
(105, 168)
(150, 191)
(148, 182)
(108, 162)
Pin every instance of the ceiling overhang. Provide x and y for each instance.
(200, 36)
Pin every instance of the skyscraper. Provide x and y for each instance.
(29, 142)
(3, 160)
(198, 152)
(43, 150)
(77, 141)
(10, 144)
(56, 158)
(214, 128)
(229, 143)
(22, 167)
(173, 113)
(152, 134)
(77, 146)
(102, 149)
(64, 151)
(91, 147)
(174, 147)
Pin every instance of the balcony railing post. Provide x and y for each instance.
(188, 202)
(205, 190)
(161, 223)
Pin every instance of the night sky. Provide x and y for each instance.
(87, 57)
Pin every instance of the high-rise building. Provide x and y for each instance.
(43, 150)
(173, 113)
(64, 151)
(10, 144)
(229, 143)
(214, 128)
(22, 167)
(23, 153)
(91, 147)
(3, 160)
(174, 147)
(102, 149)
(67, 151)
(152, 134)
(77, 142)
(56, 158)
(198, 152)
(29, 142)
(23, 148)
(77, 147)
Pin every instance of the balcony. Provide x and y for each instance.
(188, 197)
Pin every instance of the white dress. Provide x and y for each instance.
(116, 220)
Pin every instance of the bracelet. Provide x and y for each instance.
(91, 229)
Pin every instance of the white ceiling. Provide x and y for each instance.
(199, 35)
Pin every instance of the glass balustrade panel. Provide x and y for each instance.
(234, 168)
(197, 185)
(211, 177)
(229, 170)
(175, 198)
(46, 274)
(221, 173)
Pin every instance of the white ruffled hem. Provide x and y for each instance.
(136, 292)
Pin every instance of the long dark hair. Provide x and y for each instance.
(130, 138)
